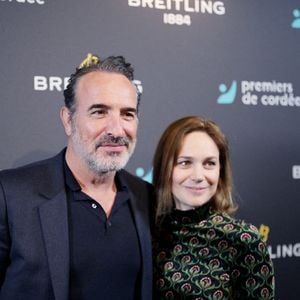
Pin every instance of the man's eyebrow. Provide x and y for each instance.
(129, 109)
(107, 107)
(95, 106)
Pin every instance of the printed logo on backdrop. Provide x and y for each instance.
(281, 250)
(296, 22)
(227, 95)
(296, 172)
(147, 176)
(41, 2)
(255, 93)
(179, 12)
(57, 83)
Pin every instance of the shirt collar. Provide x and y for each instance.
(74, 186)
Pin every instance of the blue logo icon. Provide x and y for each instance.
(296, 22)
(140, 172)
(227, 95)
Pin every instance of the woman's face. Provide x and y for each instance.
(196, 171)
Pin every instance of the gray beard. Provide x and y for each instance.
(102, 166)
(110, 162)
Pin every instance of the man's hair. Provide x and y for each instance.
(112, 64)
(165, 157)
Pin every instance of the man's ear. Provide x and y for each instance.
(65, 116)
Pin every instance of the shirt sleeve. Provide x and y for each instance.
(254, 271)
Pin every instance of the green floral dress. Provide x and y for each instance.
(203, 254)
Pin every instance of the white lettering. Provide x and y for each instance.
(55, 83)
(206, 7)
(266, 87)
(249, 99)
(134, 3)
(245, 86)
(52, 83)
(148, 3)
(283, 251)
(176, 19)
(296, 172)
(219, 8)
(138, 85)
(280, 100)
(27, 1)
(40, 83)
(169, 4)
(287, 250)
(159, 4)
(66, 82)
(177, 4)
(189, 6)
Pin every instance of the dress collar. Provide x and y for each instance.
(185, 217)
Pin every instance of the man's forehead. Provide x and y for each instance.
(110, 89)
(103, 78)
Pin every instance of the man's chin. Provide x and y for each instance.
(113, 164)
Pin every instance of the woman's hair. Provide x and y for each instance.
(166, 155)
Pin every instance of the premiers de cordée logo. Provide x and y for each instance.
(266, 93)
(178, 12)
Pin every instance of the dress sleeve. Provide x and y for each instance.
(254, 271)
(4, 237)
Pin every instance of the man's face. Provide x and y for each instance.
(103, 129)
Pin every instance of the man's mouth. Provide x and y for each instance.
(112, 142)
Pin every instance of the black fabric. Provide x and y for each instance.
(104, 252)
(34, 231)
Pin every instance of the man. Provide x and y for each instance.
(76, 226)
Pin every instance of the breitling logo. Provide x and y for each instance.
(264, 230)
(26, 1)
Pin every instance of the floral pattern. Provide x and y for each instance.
(203, 254)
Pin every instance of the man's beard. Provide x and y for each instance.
(107, 161)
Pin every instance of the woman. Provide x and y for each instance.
(200, 251)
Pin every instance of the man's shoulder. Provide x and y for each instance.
(34, 169)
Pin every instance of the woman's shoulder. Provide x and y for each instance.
(234, 228)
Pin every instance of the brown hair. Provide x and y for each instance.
(166, 154)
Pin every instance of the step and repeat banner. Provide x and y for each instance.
(236, 62)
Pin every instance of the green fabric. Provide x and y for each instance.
(203, 254)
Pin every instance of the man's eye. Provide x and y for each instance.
(129, 115)
(98, 113)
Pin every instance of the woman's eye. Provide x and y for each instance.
(184, 163)
(210, 164)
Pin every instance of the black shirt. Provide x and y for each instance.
(105, 258)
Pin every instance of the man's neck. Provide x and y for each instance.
(101, 187)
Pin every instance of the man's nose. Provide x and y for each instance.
(114, 125)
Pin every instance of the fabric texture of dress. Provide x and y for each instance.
(203, 254)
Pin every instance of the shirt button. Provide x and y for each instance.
(94, 205)
(108, 223)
